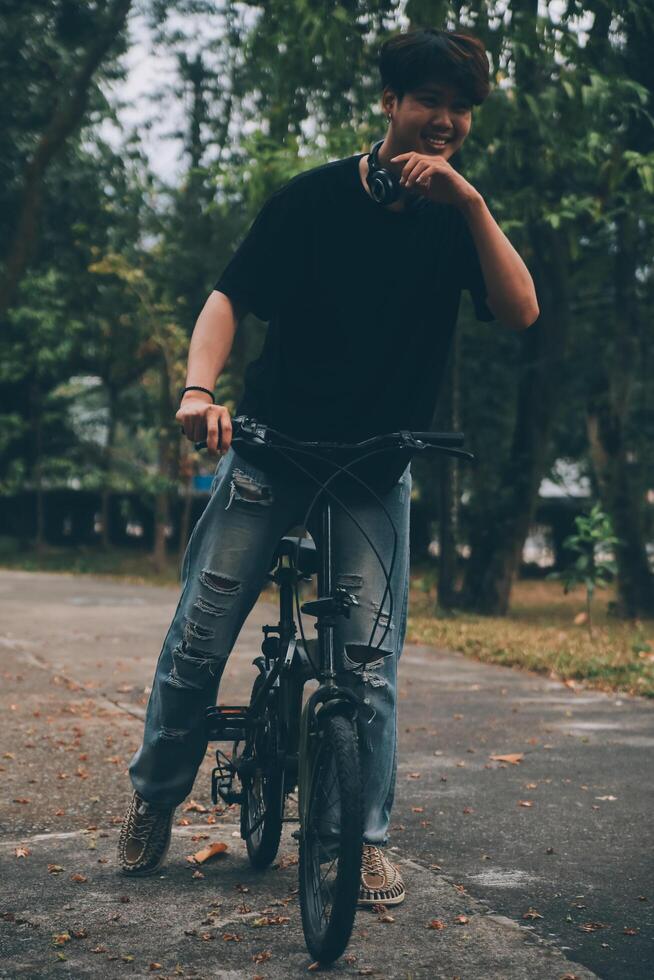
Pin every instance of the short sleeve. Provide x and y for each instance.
(471, 275)
(255, 277)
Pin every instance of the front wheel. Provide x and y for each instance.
(331, 841)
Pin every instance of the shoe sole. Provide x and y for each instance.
(365, 903)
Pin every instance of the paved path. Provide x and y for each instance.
(76, 656)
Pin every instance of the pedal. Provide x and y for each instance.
(226, 723)
(222, 779)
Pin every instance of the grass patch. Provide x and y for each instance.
(124, 563)
(540, 634)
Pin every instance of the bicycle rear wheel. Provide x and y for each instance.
(331, 842)
(262, 809)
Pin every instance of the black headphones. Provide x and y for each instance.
(385, 186)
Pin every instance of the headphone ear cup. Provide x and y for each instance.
(384, 187)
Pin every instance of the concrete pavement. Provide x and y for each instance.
(535, 868)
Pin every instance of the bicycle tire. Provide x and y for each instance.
(337, 758)
(262, 809)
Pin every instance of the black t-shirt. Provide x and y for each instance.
(362, 304)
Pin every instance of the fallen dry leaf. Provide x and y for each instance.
(461, 920)
(231, 937)
(606, 797)
(154, 966)
(629, 931)
(22, 852)
(218, 847)
(414, 775)
(271, 920)
(286, 861)
(55, 869)
(314, 966)
(418, 809)
(197, 874)
(531, 914)
(78, 878)
(21, 799)
(525, 802)
(261, 957)
(192, 805)
(513, 757)
(59, 938)
(382, 913)
(436, 924)
(592, 926)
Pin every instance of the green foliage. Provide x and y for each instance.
(590, 546)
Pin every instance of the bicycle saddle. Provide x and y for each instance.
(307, 558)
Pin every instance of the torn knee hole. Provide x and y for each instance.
(194, 631)
(246, 489)
(350, 581)
(217, 582)
(174, 734)
(204, 606)
(362, 653)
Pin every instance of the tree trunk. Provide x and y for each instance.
(108, 466)
(621, 365)
(167, 468)
(38, 471)
(607, 419)
(500, 524)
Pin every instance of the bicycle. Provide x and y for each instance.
(279, 744)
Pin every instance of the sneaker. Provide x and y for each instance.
(144, 837)
(381, 881)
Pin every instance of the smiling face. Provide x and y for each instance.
(424, 117)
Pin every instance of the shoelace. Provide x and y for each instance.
(373, 862)
(148, 817)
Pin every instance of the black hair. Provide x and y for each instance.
(408, 60)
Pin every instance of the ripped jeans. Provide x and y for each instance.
(224, 569)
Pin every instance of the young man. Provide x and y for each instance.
(359, 274)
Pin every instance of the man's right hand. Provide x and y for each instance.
(202, 420)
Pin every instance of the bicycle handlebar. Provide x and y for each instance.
(248, 430)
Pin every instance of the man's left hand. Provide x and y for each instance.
(434, 178)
